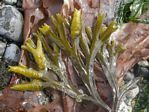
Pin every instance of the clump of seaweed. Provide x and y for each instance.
(65, 40)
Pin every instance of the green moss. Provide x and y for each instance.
(142, 100)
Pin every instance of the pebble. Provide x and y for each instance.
(10, 2)
(11, 23)
(33, 99)
(133, 92)
(2, 48)
(19, 3)
(126, 104)
(129, 76)
(142, 69)
(143, 63)
(124, 107)
(12, 53)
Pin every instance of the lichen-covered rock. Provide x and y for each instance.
(11, 23)
(12, 53)
(10, 2)
(2, 48)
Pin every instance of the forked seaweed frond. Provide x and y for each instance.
(67, 41)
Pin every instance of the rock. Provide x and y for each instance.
(124, 107)
(107, 8)
(10, 2)
(143, 63)
(11, 23)
(33, 99)
(141, 70)
(19, 3)
(133, 92)
(129, 76)
(144, 72)
(126, 104)
(12, 53)
(2, 48)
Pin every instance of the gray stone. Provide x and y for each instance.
(12, 53)
(2, 48)
(126, 104)
(142, 69)
(11, 23)
(34, 98)
(143, 63)
(129, 76)
(10, 2)
(124, 107)
(133, 92)
(19, 3)
(107, 8)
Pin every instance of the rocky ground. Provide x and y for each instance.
(14, 16)
(11, 26)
